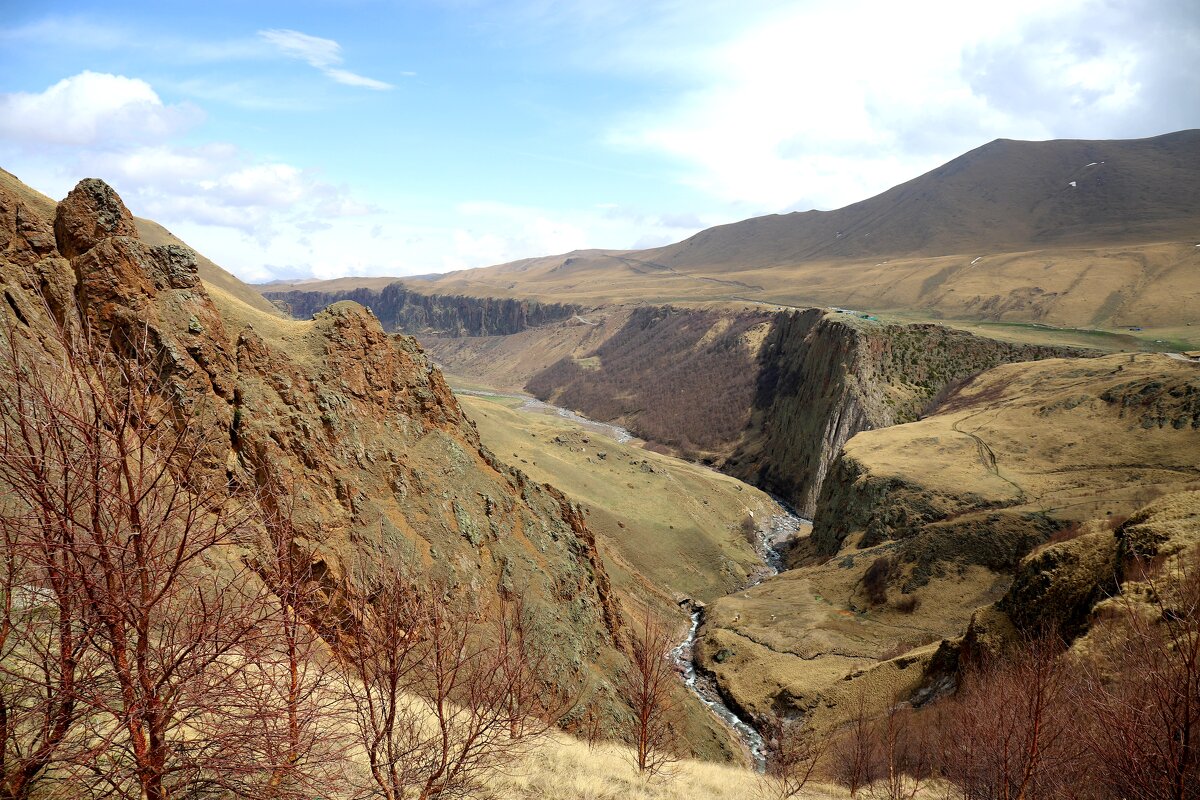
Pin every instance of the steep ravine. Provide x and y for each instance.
(768, 397)
(701, 682)
(826, 377)
(352, 432)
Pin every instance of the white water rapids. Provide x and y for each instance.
(784, 526)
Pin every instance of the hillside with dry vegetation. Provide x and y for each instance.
(919, 525)
(275, 459)
(252, 556)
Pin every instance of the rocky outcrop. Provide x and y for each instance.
(1056, 587)
(401, 309)
(91, 213)
(36, 278)
(355, 428)
(148, 302)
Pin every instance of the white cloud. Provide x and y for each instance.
(91, 108)
(353, 79)
(324, 54)
(828, 102)
(318, 52)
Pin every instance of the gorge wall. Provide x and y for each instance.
(770, 398)
(823, 379)
(400, 309)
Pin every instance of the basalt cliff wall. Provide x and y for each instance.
(400, 309)
(823, 379)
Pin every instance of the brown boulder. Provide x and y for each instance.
(25, 238)
(91, 213)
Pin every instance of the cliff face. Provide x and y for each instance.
(824, 379)
(1011, 456)
(1000, 512)
(770, 398)
(401, 309)
(372, 450)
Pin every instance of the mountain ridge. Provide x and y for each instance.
(1063, 232)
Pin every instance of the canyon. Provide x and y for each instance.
(614, 435)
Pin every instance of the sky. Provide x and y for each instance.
(321, 138)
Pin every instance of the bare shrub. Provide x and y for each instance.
(161, 614)
(875, 580)
(592, 727)
(439, 703)
(647, 682)
(907, 604)
(1008, 732)
(1143, 694)
(294, 726)
(853, 759)
(45, 662)
(905, 761)
(748, 528)
(795, 754)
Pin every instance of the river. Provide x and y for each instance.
(532, 404)
(783, 526)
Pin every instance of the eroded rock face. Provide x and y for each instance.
(829, 380)
(91, 213)
(355, 427)
(140, 301)
(33, 271)
(1057, 587)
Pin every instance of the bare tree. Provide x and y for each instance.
(905, 756)
(1142, 696)
(45, 665)
(134, 564)
(439, 702)
(291, 717)
(591, 727)
(647, 683)
(1011, 725)
(794, 757)
(853, 758)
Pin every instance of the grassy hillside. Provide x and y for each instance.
(667, 530)
(920, 524)
(673, 527)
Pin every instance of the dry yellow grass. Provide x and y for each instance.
(1110, 288)
(564, 768)
(668, 528)
(1064, 439)
(1039, 437)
